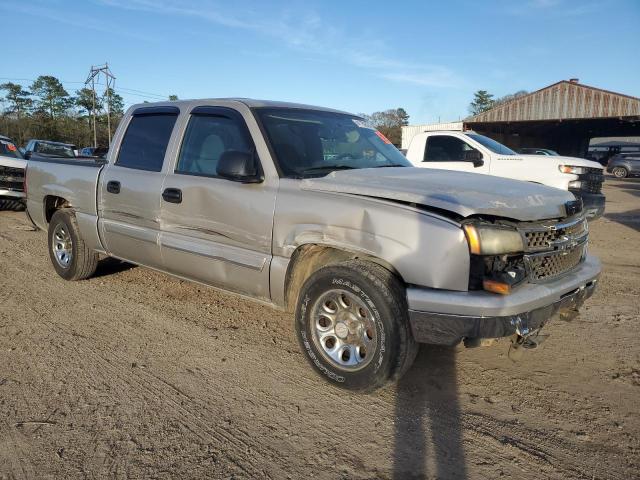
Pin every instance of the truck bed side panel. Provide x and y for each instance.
(74, 181)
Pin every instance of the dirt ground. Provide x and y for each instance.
(136, 374)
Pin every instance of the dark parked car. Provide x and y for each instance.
(50, 149)
(624, 165)
(538, 151)
(96, 152)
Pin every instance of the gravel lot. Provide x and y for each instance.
(136, 374)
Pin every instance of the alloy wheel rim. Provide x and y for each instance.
(343, 329)
(62, 246)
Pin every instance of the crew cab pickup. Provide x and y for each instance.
(309, 210)
(471, 152)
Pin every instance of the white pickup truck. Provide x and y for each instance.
(12, 166)
(468, 151)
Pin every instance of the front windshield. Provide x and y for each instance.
(54, 149)
(8, 149)
(313, 142)
(491, 144)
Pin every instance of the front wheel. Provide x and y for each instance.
(70, 256)
(353, 327)
(620, 172)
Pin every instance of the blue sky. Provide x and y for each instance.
(360, 56)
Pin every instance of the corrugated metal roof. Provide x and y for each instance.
(561, 101)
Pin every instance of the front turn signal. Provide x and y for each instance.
(496, 287)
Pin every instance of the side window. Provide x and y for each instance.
(444, 148)
(145, 142)
(206, 139)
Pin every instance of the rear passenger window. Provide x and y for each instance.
(206, 139)
(145, 142)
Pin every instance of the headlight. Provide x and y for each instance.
(492, 240)
(571, 169)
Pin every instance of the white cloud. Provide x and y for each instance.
(78, 21)
(303, 30)
(440, 77)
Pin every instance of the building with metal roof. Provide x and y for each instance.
(563, 117)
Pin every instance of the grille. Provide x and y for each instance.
(553, 249)
(12, 179)
(591, 180)
(547, 266)
(544, 237)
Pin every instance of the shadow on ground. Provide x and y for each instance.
(629, 219)
(110, 266)
(428, 429)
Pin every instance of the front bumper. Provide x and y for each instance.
(592, 203)
(446, 317)
(11, 193)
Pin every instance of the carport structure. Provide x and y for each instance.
(562, 117)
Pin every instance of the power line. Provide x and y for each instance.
(129, 91)
(110, 82)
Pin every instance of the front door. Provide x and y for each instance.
(451, 153)
(130, 189)
(215, 230)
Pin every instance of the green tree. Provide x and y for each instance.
(84, 101)
(482, 101)
(18, 98)
(389, 123)
(114, 101)
(19, 104)
(51, 97)
(173, 97)
(509, 97)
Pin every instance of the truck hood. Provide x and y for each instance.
(560, 160)
(462, 193)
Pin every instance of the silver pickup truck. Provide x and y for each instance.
(310, 210)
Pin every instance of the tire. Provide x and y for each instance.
(359, 307)
(69, 254)
(620, 172)
(11, 205)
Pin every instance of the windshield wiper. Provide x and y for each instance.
(387, 166)
(327, 167)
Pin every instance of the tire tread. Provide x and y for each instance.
(85, 260)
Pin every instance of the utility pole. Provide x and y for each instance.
(110, 82)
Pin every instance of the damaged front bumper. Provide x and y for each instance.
(447, 317)
(593, 203)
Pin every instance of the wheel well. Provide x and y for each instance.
(311, 257)
(53, 203)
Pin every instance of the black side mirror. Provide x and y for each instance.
(239, 167)
(475, 157)
(27, 154)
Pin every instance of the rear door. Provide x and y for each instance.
(130, 187)
(451, 153)
(214, 230)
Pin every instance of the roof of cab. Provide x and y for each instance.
(249, 102)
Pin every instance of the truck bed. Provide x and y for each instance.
(74, 179)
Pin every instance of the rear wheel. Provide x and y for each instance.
(353, 327)
(620, 172)
(69, 254)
